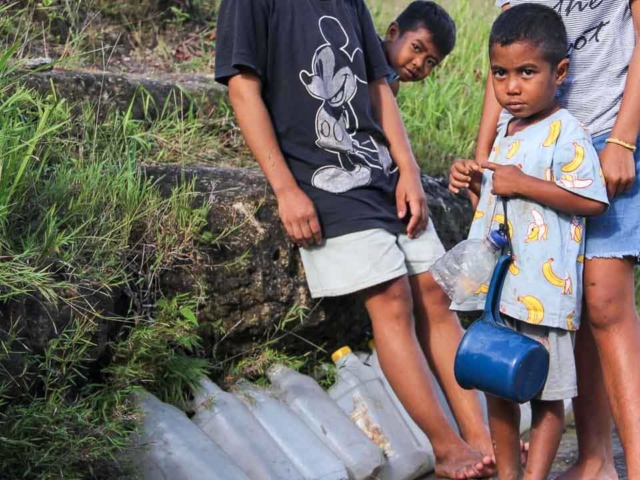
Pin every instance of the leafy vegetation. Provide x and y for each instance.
(79, 224)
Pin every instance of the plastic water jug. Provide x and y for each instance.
(362, 356)
(313, 459)
(174, 448)
(420, 436)
(325, 418)
(361, 395)
(494, 358)
(463, 270)
(231, 425)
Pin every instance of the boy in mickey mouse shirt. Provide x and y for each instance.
(307, 81)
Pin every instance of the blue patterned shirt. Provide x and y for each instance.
(544, 283)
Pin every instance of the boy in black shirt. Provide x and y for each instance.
(307, 81)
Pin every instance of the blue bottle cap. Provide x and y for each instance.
(498, 239)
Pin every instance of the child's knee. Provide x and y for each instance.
(390, 303)
(429, 289)
(393, 292)
(605, 305)
(545, 407)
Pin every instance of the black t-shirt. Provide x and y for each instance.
(315, 59)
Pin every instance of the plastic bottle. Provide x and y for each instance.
(313, 459)
(362, 356)
(174, 448)
(420, 436)
(374, 362)
(463, 270)
(361, 395)
(231, 425)
(321, 414)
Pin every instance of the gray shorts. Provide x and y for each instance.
(561, 382)
(356, 261)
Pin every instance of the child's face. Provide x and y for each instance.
(524, 81)
(412, 55)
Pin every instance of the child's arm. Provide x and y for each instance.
(409, 190)
(296, 209)
(511, 181)
(617, 162)
(395, 87)
(490, 115)
(488, 124)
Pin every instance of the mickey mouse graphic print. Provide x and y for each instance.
(334, 83)
(316, 59)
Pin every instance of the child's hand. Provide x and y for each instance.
(618, 167)
(409, 191)
(506, 179)
(465, 174)
(299, 217)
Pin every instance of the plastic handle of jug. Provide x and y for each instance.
(492, 303)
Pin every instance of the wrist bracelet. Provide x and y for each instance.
(626, 145)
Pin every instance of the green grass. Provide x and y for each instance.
(79, 222)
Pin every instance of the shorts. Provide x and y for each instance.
(562, 381)
(614, 234)
(356, 261)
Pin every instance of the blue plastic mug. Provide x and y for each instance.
(497, 360)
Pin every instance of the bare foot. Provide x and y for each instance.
(589, 471)
(485, 446)
(463, 463)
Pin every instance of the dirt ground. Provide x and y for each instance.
(568, 453)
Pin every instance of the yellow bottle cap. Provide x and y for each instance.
(338, 354)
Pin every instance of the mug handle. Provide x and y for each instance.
(492, 302)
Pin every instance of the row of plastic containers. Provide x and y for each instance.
(293, 430)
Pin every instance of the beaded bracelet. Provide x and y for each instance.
(626, 145)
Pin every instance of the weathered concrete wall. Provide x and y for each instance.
(109, 91)
(246, 298)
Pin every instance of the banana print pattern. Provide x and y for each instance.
(538, 229)
(495, 151)
(549, 176)
(513, 149)
(514, 269)
(572, 182)
(576, 230)
(554, 132)
(578, 158)
(499, 218)
(534, 307)
(544, 283)
(549, 275)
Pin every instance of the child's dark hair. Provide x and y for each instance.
(530, 22)
(433, 17)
